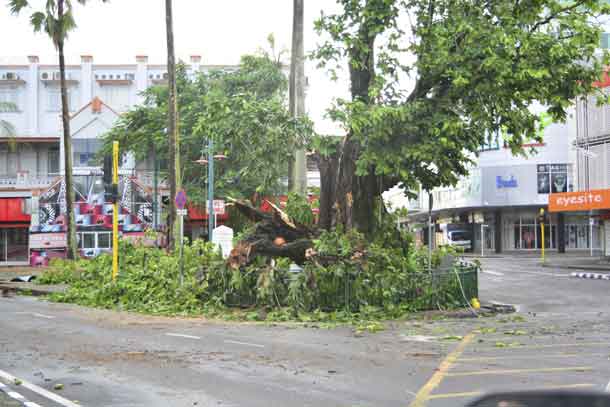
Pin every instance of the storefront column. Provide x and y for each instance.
(498, 231)
(561, 229)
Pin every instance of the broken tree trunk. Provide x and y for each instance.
(275, 235)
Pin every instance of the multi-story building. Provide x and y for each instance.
(31, 164)
(498, 203)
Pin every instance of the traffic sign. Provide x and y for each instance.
(181, 199)
(181, 212)
(219, 207)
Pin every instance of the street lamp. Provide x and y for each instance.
(209, 161)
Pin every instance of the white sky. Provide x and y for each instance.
(218, 30)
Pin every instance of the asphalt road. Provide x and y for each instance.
(560, 338)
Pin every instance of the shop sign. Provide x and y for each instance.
(48, 241)
(580, 201)
(510, 182)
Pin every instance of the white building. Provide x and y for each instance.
(31, 163)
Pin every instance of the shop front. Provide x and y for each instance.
(585, 214)
(14, 224)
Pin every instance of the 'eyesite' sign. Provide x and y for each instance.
(580, 201)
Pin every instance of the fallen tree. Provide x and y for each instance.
(275, 235)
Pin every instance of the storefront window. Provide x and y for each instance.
(552, 178)
(103, 240)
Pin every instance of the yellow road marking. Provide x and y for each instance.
(479, 393)
(525, 356)
(454, 395)
(514, 371)
(424, 393)
(555, 345)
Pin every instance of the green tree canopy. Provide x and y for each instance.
(243, 109)
(431, 80)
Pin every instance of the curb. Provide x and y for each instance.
(576, 267)
(593, 276)
(29, 291)
(17, 397)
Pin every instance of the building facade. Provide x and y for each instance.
(499, 202)
(31, 163)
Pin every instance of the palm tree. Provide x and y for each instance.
(7, 130)
(56, 20)
(172, 126)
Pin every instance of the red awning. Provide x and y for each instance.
(12, 210)
(14, 225)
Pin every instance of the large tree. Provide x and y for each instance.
(244, 109)
(57, 20)
(430, 80)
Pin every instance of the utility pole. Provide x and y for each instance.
(298, 168)
(211, 218)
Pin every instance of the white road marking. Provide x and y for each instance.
(36, 314)
(245, 343)
(418, 338)
(608, 388)
(39, 390)
(31, 404)
(183, 336)
(15, 395)
(493, 273)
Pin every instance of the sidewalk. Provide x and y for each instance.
(8, 286)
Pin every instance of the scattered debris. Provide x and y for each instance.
(515, 332)
(58, 386)
(17, 382)
(453, 338)
(24, 279)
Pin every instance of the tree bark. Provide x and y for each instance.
(172, 127)
(65, 118)
(358, 197)
(329, 168)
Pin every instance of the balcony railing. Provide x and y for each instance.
(27, 180)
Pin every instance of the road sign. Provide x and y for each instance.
(219, 207)
(181, 212)
(181, 199)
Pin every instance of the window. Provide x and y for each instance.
(116, 97)
(84, 151)
(53, 161)
(93, 240)
(11, 97)
(103, 241)
(605, 42)
(492, 142)
(86, 240)
(54, 100)
(552, 178)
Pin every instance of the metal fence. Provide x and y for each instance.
(442, 288)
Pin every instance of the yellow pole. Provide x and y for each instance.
(115, 210)
(542, 232)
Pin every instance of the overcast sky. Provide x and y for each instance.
(218, 30)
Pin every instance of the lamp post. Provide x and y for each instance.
(210, 163)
